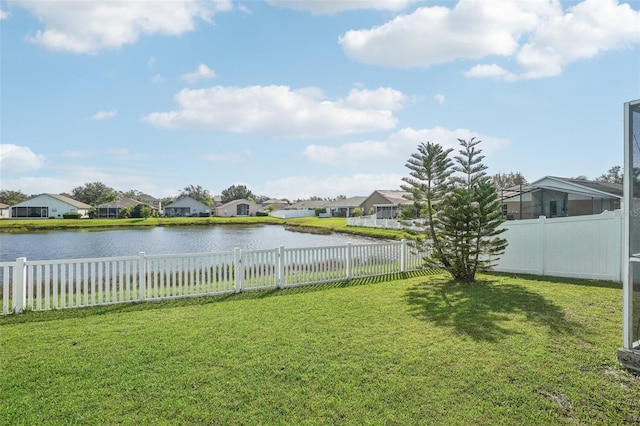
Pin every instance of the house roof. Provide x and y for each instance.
(63, 198)
(587, 188)
(307, 205)
(274, 201)
(236, 202)
(186, 202)
(146, 198)
(351, 202)
(4, 206)
(119, 204)
(395, 196)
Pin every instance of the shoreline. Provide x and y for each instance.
(313, 225)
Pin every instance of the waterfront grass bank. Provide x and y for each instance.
(306, 224)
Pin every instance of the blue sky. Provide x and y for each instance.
(307, 98)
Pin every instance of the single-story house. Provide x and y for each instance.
(113, 209)
(4, 211)
(307, 205)
(151, 201)
(187, 206)
(274, 204)
(240, 207)
(386, 204)
(49, 205)
(554, 196)
(344, 207)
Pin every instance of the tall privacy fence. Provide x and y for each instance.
(73, 283)
(578, 247)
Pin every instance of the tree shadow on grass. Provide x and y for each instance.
(484, 310)
(247, 294)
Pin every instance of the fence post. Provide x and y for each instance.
(20, 285)
(238, 269)
(542, 241)
(142, 272)
(280, 268)
(403, 255)
(348, 262)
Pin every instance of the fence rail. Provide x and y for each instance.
(73, 283)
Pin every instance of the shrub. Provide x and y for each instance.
(72, 215)
(262, 214)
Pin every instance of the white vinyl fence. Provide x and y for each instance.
(73, 283)
(580, 247)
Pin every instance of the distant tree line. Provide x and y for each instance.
(96, 193)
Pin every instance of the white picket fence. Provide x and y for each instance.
(73, 283)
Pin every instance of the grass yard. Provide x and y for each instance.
(403, 350)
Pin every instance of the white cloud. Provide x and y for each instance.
(279, 111)
(4, 15)
(539, 35)
(333, 7)
(244, 9)
(397, 148)
(303, 187)
(201, 73)
(19, 159)
(88, 26)
(587, 29)
(439, 98)
(492, 71)
(104, 115)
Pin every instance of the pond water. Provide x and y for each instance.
(160, 240)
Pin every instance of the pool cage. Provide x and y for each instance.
(629, 354)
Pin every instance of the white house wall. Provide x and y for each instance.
(56, 208)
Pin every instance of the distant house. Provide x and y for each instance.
(4, 211)
(49, 205)
(186, 206)
(307, 205)
(385, 204)
(344, 207)
(557, 197)
(274, 204)
(240, 207)
(151, 201)
(113, 209)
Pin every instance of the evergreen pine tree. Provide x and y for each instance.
(464, 209)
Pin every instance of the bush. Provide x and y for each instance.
(204, 214)
(262, 214)
(72, 215)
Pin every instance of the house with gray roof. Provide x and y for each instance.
(187, 206)
(554, 196)
(48, 205)
(386, 204)
(344, 207)
(114, 208)
(239, 207)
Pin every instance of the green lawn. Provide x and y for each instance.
(402, 350)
